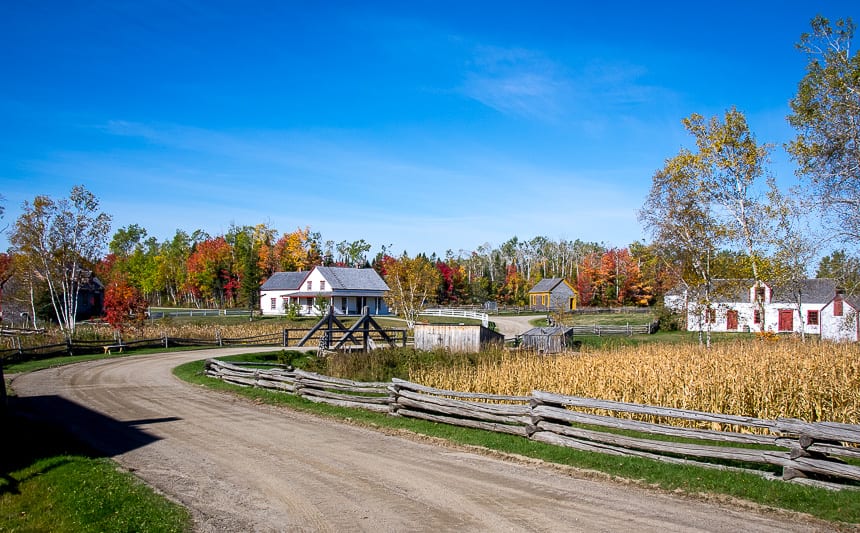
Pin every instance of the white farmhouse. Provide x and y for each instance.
(741, 305)
(347, 290)
(840, 319)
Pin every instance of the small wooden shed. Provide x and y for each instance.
(456, 337)
(552, 339)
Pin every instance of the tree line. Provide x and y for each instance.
(713, 211)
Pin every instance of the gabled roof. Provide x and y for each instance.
(547, 285)
(284, 281)
(813, 290)
(340, 278)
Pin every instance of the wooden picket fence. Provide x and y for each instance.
(803, 452)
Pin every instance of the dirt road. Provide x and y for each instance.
(512, 325)
(239, 466)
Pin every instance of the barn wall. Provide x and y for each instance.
(453, 337)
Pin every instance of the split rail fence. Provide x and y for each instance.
(787, 449)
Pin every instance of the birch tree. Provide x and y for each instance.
(685, 229)
(794, 245)
(826, 115)
(61, 239)
(412, 283)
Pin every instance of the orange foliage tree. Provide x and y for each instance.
(124, 305)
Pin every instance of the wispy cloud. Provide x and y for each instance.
(515, 82)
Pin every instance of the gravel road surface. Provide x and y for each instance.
(239, 466)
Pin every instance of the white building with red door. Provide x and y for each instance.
(814, 306)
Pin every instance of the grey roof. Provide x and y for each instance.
(811, 290)
(284, 281)
(341, 278)
(547, 285)
(547, 331)
(814, 290)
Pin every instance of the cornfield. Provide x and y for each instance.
(812, 381)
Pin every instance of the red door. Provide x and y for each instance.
(731, 320)
(786, 320)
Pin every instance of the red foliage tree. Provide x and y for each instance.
(124, 305)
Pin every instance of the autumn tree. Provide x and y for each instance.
(61, 240)
(6, 271)
(124, 305)
(826, 115)
(684, 228)
(210, 272)
(729, 166)
(411, 282)
(794, 245)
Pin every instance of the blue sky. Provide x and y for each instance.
(426, 126)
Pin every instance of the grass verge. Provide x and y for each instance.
(49, 482)
(837, 507)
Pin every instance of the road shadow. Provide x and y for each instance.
(41, 427)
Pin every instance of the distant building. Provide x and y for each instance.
(552, 294)
(552, 339)
(743, 305)
(346, 290)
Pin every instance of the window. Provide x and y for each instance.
(310, 285)
(273, 303)
(711, 316)
(322, 284)
(757, 316)
(759, 294)
(812, 318)
(837, 306)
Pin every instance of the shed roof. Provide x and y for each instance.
(547, 331)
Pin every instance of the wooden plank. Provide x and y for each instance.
(456, 394)
(559, 440)
(488, 426)
(322, 385)
(380, 400)
(461, 413)
(547, 412)
(352, 405)
(696, 450)
(489, 408)
(830, 468)
(828, 431)
(340, 381)
(577, 401)
(274, 385)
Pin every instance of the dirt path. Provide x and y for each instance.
(512, 325)
(239, 466)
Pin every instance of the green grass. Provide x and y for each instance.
(49, 482)
(827, 505)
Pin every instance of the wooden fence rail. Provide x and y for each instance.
(458, 313)
(810, 453)
(605, 330)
